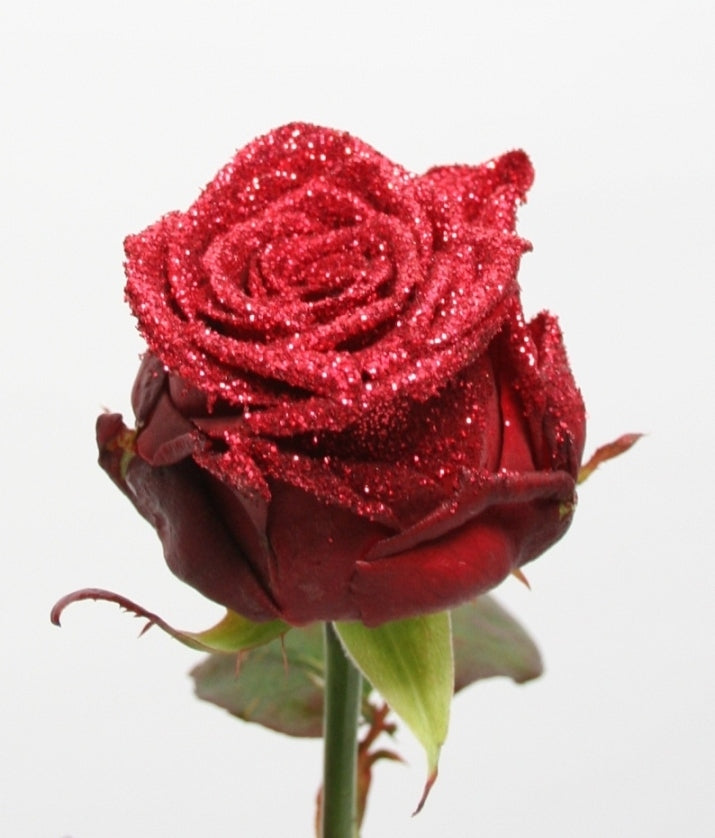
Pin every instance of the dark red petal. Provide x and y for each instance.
(478, 496)
(198, 545)
(148, 386)
(315, 546)
(167, 437)
(460, 563)
(564, 417)
(433, 576)
(204, 545)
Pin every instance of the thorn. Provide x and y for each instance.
(383, 753)
(517, 573)
(146, 628)
(240, 658)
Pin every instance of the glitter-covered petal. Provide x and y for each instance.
(343, 413)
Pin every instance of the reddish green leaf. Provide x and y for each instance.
(488, 642)
(279, 685)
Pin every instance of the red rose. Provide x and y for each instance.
(343, 414)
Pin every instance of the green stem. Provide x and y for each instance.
(340, 720)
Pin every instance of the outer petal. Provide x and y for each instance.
(563, 420)
(465, 550)
(202, 547)
(314, 551)
(485, 196)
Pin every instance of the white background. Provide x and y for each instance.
(116, 113)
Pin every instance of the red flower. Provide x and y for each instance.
(343, 414)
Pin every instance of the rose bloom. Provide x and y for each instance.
(342, 413)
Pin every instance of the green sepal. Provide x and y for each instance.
(410, 663)
(233, 633)
(607, 452)
(236, 634)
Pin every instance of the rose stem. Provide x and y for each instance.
(340, 721)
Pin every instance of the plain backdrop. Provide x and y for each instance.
(116, 113)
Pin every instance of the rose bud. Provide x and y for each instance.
(343, 413)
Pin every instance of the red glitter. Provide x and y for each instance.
(329, 332)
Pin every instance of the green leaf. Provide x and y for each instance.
(233, 633)
(488, 641)
(409, 662)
